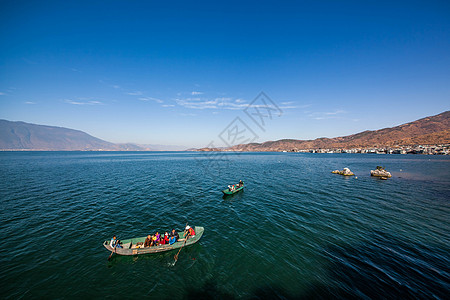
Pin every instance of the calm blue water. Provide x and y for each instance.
(296, 231)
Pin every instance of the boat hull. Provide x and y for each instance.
(128, 250)
(228, 192)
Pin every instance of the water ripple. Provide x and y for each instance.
(296, 231)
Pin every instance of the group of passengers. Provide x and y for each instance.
(236, 186)
(167, 239)
(157, 239)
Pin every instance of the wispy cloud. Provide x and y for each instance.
(187, 115)
(333, 113)
(135, 93)
(326, 115)
(293, 105)
(229, 103)
(167, 105)
(115, 86)
(223, 103)
(151, 99)
(30, 102)
(196, 93)
(2, 94)
(197, 103)
(78, 102)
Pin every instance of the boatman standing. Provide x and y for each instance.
(189, 232)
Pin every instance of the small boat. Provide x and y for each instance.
(231, 192)
(129, 246)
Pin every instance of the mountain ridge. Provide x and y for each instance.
(428, 130)
(19, 135)
(431, 130)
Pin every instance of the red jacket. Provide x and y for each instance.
(191, 231)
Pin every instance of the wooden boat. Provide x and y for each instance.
(229, 192)
(130, 244)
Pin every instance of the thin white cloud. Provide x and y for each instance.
(337, 112)
(227, 103)
(151, 99)
(187, 115)
(91, 102)
(30, 102)
(326, 115)
(2, 94)
(232, 105)
(292, 105)
(115, 86)
(196, 93)
(135, 93)
(197, 103)
(167, 105)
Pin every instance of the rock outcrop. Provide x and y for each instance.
(345, 172)
(380, 172)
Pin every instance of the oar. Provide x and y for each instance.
(109, 258)
(176, 255)
(185, 239)
(112, 252)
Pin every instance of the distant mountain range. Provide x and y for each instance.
(432, 130)
(26, 136)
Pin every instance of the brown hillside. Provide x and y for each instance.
(429, 130)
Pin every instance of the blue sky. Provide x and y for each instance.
(179, 73)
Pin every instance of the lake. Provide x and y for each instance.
(295, 231)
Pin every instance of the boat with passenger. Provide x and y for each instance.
(136, 246)
(233, 189)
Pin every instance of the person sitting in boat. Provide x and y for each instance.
(174, 236)
(115, 243)
(148, 241)
(241, 183)
(166, 237)
(158, 236)
(155, 241)
(189, 232)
